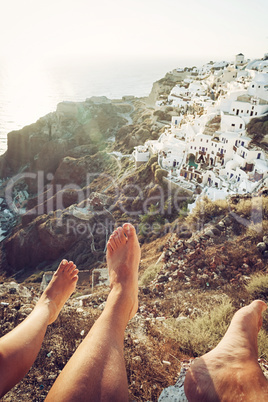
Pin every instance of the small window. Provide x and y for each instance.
(201, 140)
(247, 111)
(255, 113)
(252, 85)
(241, 125)
(207, 140)
(233, 110)
(226, 141)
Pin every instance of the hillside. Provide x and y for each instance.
(187, 287)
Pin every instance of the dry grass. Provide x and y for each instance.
(206, 209)
(258, 286)
(200, 335)
(263, 344)
(256, 231)
(149, 274)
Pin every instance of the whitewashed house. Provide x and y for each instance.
(239, 60)
(259, 87)
(232, 123)
(141, 154)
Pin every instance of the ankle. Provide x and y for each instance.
(121, 302)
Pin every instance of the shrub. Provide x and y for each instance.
(149, 274)
(256, 231)
(159, 175)
(206, 209)
(155, 166)
(258, 286)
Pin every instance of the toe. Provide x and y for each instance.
(121, 235)
(62, 266)
(113, 242)
(74, 273)
(69, 268)
(259, 306)
(72, 269)
(115, 237)
(129, 230)
(110, 247)
(75, 278)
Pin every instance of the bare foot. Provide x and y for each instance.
(59, 289)
(231, 372)
(123, 258)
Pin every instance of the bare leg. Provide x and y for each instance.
(231, 372)
(96, 371)
(19, 348)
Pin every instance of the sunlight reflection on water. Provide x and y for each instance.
(30, 91)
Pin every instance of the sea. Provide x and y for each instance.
(31, 90)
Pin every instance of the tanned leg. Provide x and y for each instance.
(19, 348)
(231, 372)
(96, 371)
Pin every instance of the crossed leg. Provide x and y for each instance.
(19, 348)
(96, 371)
(231, 372)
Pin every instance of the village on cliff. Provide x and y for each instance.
(222, 162)
(204, 150)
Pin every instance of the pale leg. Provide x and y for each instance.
(96, 371)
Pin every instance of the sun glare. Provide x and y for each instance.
(26, 89)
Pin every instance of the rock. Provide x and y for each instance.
(216, 232)
(185, 235)
(261, 247)
(167, 363)
(162, 278)
(265, 240)
(146, 291)
(265, 254)
(137, 359)
(182, 318)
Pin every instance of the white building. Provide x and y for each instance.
(141, 154)
(239, 60)
(259, 87)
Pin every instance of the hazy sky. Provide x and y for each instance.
(208, 29)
